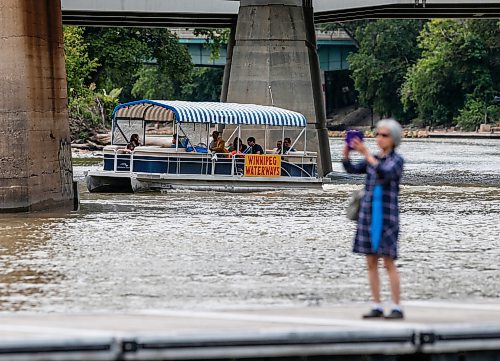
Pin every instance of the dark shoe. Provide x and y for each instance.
(395, 315)
(374, 313)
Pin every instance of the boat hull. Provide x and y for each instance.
(104, 182)
(97, 182)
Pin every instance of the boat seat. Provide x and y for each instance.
(157, 148)
(113, 147)
(298, 153)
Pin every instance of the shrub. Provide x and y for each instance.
(476, 112)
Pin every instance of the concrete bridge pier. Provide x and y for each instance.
(35, 150)
(275, 45)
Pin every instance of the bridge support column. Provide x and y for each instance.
(227, 67)
(35, 150)
(275, 45)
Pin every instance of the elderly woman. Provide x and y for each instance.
(378, 221)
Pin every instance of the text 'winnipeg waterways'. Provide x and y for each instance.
(257, 165)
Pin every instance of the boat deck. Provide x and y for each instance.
(433, 328)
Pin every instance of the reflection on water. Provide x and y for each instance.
(202, 249)
(24, 242)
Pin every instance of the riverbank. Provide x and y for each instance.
(464, 135)
(422, 133)
(91, 147)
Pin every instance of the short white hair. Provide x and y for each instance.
(394, 128)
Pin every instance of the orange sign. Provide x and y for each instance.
(265, 165)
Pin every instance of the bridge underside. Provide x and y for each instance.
(412, 11)
(146, 19)
(164, 18)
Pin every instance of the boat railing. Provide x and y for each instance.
(298, 161)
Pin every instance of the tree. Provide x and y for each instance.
(455, 66)
(387, 48)
(126, 55)
(151, 83)
(214, 38)
(87, 107)
(349, 27)
(474, 112)
(79, 65)
(205, 85)
(79, 69)
(110, 63)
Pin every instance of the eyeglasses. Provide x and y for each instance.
(384, 135)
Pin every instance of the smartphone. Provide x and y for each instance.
(351, 134)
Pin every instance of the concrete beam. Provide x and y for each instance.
(35, 151)
(158, 6)
(271, 2)
(223, 13)
(396, 9)
(328, 5)
(150, 13)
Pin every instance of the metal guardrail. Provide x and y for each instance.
(444, 342)
(237, 160)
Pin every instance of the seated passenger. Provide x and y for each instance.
(134, 142)
(176, 142)
(253, 148)
(278, 147)
(217, 145)
(287, 146)
(237, 147)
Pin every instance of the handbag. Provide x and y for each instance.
(352, 211)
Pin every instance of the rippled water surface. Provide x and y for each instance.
(205, 250)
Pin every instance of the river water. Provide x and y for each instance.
(216, 250)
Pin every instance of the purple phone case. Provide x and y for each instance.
(351, 134)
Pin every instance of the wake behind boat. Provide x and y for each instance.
(139, 161)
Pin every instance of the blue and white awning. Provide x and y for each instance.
(209, 112)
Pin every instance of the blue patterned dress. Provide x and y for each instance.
(388, 174)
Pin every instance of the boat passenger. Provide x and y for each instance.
(279, 143)
(176, 142)
(287, 146)
(134, 142)
(253, 148)
(238, 146)
(218, 144)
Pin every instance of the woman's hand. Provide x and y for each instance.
(359, 147)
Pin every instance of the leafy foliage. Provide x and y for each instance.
(79, 65)
(387, 48)
(84, 102)
(455, 67)
(442, 72)
(215, 38)
(106, 66)
(349, 27)
(475, 112)
(126, 55)
(206, 85)
(150, 83)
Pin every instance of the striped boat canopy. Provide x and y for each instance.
(209, 112)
